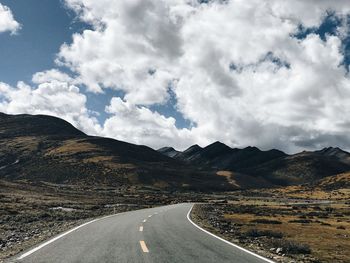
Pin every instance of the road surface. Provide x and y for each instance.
(162, 234)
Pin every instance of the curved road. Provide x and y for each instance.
(162, 234)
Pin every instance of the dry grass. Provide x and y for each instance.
(335, 187)
(328, 238)
(229, 177)
(303, 192)
(72, 147)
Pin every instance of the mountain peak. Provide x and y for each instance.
(335, 152)
(168, 151)
(252, 148)
(332, 151)
(36, 125)
(218, 144)
(193, 148)
(164, 149)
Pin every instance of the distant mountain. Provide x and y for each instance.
(191, 154)
(336, 152)
(222, 157)
(251, 167)
(44, 148)
(168, 151)
(300, 168)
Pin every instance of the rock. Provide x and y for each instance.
(278, 250)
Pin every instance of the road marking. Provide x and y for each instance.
(144, 221)
(150, 216)
(156, 213)
(70, 231)
(144, 247)
(227, 242)
(62, 235)
(141, 228)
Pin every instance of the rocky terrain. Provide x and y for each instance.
(281, 229)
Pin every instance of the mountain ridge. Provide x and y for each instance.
(46, 148)
(271, 167)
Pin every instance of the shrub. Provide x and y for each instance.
(266, 221)
(301, 221)
(292, 247)
(260, 233)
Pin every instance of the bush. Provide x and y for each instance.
(260, 233)
(301, 221)
(292, 247)
(266, 221)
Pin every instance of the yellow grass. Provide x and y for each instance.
(229, 177)
(326, 242)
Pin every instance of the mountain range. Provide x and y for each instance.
(44, 148)
(250, 167)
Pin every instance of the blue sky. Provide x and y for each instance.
(47, 24)
(270, 75)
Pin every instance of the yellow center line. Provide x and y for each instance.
(141, 228)
(144, 247)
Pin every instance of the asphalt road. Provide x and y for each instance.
(162, 234)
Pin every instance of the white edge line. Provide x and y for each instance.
(227, 242)
(62, 235)
(70, 231)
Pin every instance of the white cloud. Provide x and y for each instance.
(51, 75)
(140, 125)
(7, 21)
(235, 69)
(54, 98)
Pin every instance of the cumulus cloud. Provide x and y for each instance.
(140, 125)
(52, 75)
(54, 98)
(235, 67)
(7, 21)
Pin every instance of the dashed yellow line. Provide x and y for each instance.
(144, 247)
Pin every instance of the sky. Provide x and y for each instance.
(265, 73)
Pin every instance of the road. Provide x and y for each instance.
(162, 234)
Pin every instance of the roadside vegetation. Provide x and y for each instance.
(285, 230)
